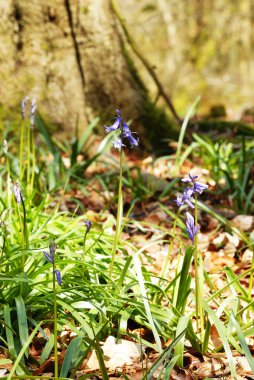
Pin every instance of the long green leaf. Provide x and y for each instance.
(137, 266)
(223, 335)
(190, 112)
(179, 347)
(243, 343)
(72, 349)
(47, 349)
(9, 331)
(22, 351)
(22, 322)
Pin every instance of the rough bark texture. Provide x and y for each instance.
(69, 55)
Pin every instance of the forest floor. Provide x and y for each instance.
(154, 231)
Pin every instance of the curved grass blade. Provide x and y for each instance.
(9, 331)
(47, 349)
(22, 322)
(72, 349)
(190, 112)
(137, 266)
(223, 335)
(22, 351)
(243, 343)
(179, 347)
(165, 356)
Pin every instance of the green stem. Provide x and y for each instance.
(25, 232)
(22, 239)
(55, 323)
(119, 214)
(198, 279)
(33, 159)
(21, 148)
(28, 159)
(84, 246)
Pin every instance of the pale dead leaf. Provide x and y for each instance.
(217, 365)
(215, 337)
(244, 222)
(116, 354)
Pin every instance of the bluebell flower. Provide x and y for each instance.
(199, 187)
(116, 125)
(58, 277)
(179, 201)
(88, 225)
(185, 198)
(191, 228)
(128, 135)
(49, 258)
(52, 250)
(191, 178)
(124, 132)
(118, 144)
(17, 193)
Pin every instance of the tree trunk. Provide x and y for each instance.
(69, 54)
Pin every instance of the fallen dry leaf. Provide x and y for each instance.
(116, 354)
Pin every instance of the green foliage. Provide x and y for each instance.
(231, 166)
(100, 294)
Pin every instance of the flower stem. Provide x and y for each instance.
(119, 214)
(33, 159)
(198, 263)
(55, 323)
(28, 159)
(21, 147)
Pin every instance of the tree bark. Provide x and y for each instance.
(69, 54)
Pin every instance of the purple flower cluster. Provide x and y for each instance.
(186, 198)
(191, 228)
(51, 259)
(125, 133)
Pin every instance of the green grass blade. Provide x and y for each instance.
(100, 357)
(243, 343)
(22, 351)
(83, 139)
(184, 283)
(169, 368)
(223, 335)
(190, 112)
(165, 356)
(9, 331)
(137, 265)
(47, 349)
(22, 322)
(72, 349)
(179, 347)
(78, 317)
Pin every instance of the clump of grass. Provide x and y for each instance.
(103, 292)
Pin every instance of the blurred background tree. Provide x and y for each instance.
(75, 56)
